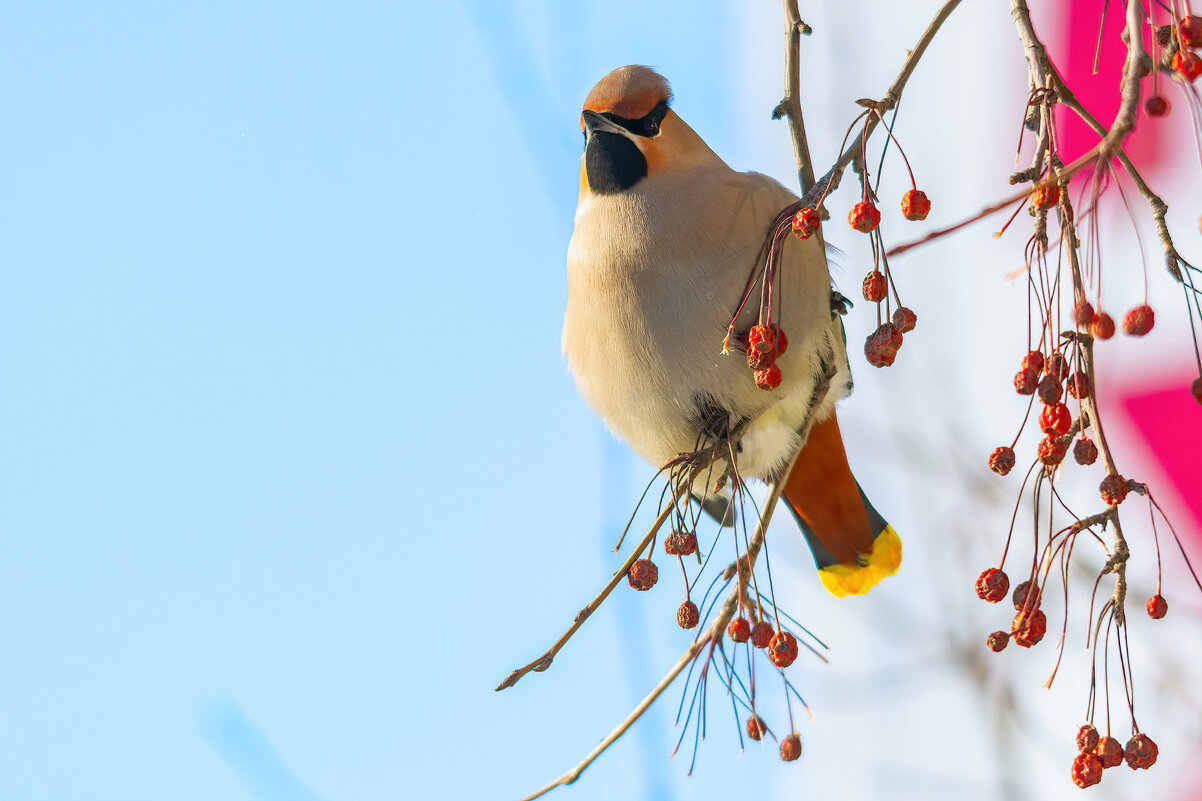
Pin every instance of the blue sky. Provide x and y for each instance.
(294, 473)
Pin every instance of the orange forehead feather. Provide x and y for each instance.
(629, 92)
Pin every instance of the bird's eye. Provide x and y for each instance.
(652, 127)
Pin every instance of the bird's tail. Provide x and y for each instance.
(852, 544)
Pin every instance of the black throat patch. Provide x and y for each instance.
(613, 163)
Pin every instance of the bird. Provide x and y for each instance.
(665, 238)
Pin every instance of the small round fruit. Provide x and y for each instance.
(1057, 366)
(1028, 628)
(1085, 452)
(1102, 326)
(1078, 385)
(1188, 65)
(1046, 196)
(688, 615)
(1033, 361)
(1055, 419)
(1139, 321)
(643, 574)
(992, 585)
(1019, 597)
(1140, 752)
(1087, 739)
(904, 319)
(1190, 30)
(761, 338)
(790, 747)
(1083, 313)
(1157, 106)
(875, 287)
(761, 634)
(1051, 450)
(864, 217)
(1026, 380)
(1049, 390)
(915, 205)
(805, 223)
(1113, 489)
(1001, 461)
(1087, 770)
(997, 641)
(782, 649)
(1109, 752)
(756, 727)
(768, 378)
(739, 629)
(1157, 606)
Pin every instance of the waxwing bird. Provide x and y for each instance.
(666, 236)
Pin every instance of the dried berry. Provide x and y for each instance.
(864, 217)
(761, 634)
(761, 338)
(782, 649)
(1190, 30)
(1055, 419)
(915, 205)
(1188, 65)
(1033, 361)
(992, 585)
(875, 287)
(643, 574)
(1140, 752)
(1026, 380)
(1083, 313)
(1195, 389)
(1001, 461)
(1029, 627)
(997, 641)
(1051, 450)
(790, 747)
(1085, 452)
(768, 378)
(680, 543)
(1157, 606)
(1103, 326)
(739, 629)
(756, 727)
(1048, 390)
(688, 615)
(805, 223)
(1157, 106)
(904, 319)
(879, 347)
(1078, 385)
(1019, 597)
(1046, 196)
(1139, 321)
(1057, 366)
(760, 361)
(1109, 752)
(1113, 489)
(1087, 770)
(782, 341)
(1087, 739)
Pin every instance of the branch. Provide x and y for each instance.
(716, 629)
(790, 106)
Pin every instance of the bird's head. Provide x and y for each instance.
(630, 133)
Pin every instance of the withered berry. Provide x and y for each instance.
(782, 341)
(768, 378)
(782, 649)
(1029, 627)
(680, 543)
(756, 727)
(1078, 385)
(688, 615)
(1019, 597)
(1190, 30)
(805, 223)
(790, 747)
(1046, 195)
(1055, 419)
(904, 319)
(739, 629)
(880, 348)
(1188, 65)
(1033, 361)
(864, 217)
(1048, 390)
(761, 634)
(1026, 380)
(1113, 489)
(761, 338)
(1109, 752)
(1001, 461)
(643, 574)
(992, 585)
(915, 205)
(760, 361)
(1140, 752)
(875, 286)
(1157, 106)
(1083, 313)
(1057, 366)
(1103, 326)
(1087, 770)
(1139, 321)
(1087, 739)
(1157, 607)
(1085, 452)
(1051, 450)
(997, 641)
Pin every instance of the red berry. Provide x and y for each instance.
(875, 286)
(805, 223)
(864, 217)
(760, 361)
(1139, 321)
(1102, 326)
(997, 641)
(992, 585)
(1190, 29)
(1087, 770)
(1055, 419)
(782, 649)
(1113, 489)
(782, 341)
(915, 205)
(688, 615)
(1083, 313)
(1085, 452)
(1078, 385)
(1051, 450)
(1019, 598)
(761, 634)
(768, 378)
(1087, 739)
(643, 574)
(1188, 65)
(880, 348)
(1026, 380)
(1157, 606)
(1029, 627)
(1033, 361)
(1195, 389)
(1157, 106)
(680, 543)
(1140, 752)
(1046, 196)
(761, 338)
(1057, 366)
(904, 320)
(756, 727)
(1049, 390)
(790, 747)
(1109, 752)
(739, 629)
(1001, 461)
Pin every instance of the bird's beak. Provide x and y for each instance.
(594, 122)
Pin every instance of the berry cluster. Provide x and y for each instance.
(1097, 753)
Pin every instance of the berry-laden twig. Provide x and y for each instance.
(713, 633)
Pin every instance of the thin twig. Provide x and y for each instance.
(790, 105)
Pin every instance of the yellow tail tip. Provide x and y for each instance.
(854, 579)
